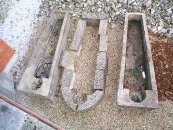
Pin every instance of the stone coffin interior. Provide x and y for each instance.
(138, 86)
(42, 70)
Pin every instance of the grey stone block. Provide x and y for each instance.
(99, 80)
(103, 27)
(92, 101)
(103, 45)
(93, 18)
(150, 97)
(101, 61)
(67, 59)
(67, 77)
(78, 36)
(68, 96)
(66, 88)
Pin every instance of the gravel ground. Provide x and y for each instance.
(86, 62)
(107, 115)
(159, 12)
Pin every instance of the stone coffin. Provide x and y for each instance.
(47, 85)
(147, 97)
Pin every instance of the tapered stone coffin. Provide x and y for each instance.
(137, 83)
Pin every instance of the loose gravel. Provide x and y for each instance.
(159, 12)
(86, 62)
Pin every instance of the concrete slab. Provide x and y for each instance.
(11, 118)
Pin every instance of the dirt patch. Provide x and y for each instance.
(162, 52)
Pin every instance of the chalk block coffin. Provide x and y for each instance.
(147, 96)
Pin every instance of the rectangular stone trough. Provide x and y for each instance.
(42, 73)
(137, 83)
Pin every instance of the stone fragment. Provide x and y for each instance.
(67, 78)
(78, 36)
(103, 27)
(101, 61)
(66, 88)
(67, 59)
(93, 18)
(99, 80)
(92, 101)
(103, 43)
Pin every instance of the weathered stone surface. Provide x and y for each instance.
(99, 80)
(150, 100)
(48, 87)
(101, 61)
(66, 88)
(67, 78)
(103, 45)
(67, 59)
(103, 27)
(93, 18)
(78, 36)
(68, 96)
(92, 101)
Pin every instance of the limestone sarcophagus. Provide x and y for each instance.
(42, 73)
(137, 83)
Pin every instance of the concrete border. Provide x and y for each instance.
(68, 76)
(49, 85)
(123, 98)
